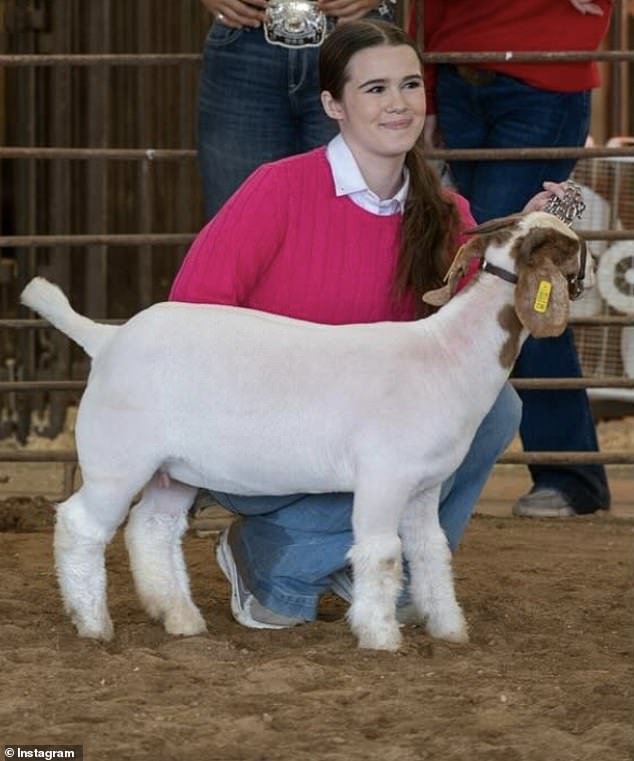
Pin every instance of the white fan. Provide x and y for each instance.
(607, 350)
(596, 216)
(615, 276)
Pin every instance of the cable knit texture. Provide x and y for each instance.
(284, 243)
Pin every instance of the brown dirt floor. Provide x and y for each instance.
(547, 674)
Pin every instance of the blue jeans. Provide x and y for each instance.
(286, 548)
(256, 103)
(507, 113)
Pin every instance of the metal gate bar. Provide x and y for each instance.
(155, 154)
(168, 239)
(174, 59)
(523, 383)
(615, 457)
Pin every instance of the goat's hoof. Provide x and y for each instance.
(387, 638)
(458, 637)
(450, 631)
(186, 623)
(153, 609)
(93, 631)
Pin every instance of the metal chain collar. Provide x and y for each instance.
(568, 208)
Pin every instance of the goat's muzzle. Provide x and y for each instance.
(575, 282)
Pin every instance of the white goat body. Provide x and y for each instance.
(236, 400)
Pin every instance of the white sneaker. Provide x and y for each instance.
(543, 503)
(244, 607)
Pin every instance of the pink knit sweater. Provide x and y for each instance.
(285, 243)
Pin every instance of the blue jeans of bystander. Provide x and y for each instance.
(256, 103)
(507, 113)
(286, 547)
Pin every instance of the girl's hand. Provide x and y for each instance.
(587, 6)
(236, 13)
(538, 201)
(347, 10)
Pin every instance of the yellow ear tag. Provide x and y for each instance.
(543, 296)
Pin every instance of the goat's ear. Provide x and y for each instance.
(440, 296)
(541, 299)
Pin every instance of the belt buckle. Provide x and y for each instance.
(295, 24)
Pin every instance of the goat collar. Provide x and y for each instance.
(493, 269)
(575, 282)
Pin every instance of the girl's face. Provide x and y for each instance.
(382, 107)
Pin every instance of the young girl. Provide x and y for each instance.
(353, 232)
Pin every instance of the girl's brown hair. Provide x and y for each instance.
(430, 220)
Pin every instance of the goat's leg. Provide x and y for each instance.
(429, 557)
(85, 524)
(376, 564)
(153, 538)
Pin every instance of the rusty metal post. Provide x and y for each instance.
(59, 207)
(98, 99)
(189, 215)
(24, 129)
(617, 109)
(144, 79)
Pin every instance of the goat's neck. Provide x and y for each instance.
(480, 333)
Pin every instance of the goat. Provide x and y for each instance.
(212, 395)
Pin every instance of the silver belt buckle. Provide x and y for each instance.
(295, 24)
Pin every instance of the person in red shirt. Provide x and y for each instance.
(511, 104)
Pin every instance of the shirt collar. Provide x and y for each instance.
(349, 181)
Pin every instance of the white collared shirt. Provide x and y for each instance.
(349, 181)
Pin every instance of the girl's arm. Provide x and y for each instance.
(225, 260)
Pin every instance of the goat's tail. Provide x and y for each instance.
(50, 302)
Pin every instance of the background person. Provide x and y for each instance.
(508, 104)
(257, 101)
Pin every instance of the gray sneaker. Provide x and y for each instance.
(341, 584)
(244, 607)
(543, 503)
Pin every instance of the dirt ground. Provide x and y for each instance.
(547, 674)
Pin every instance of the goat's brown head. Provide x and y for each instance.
(547, 259)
